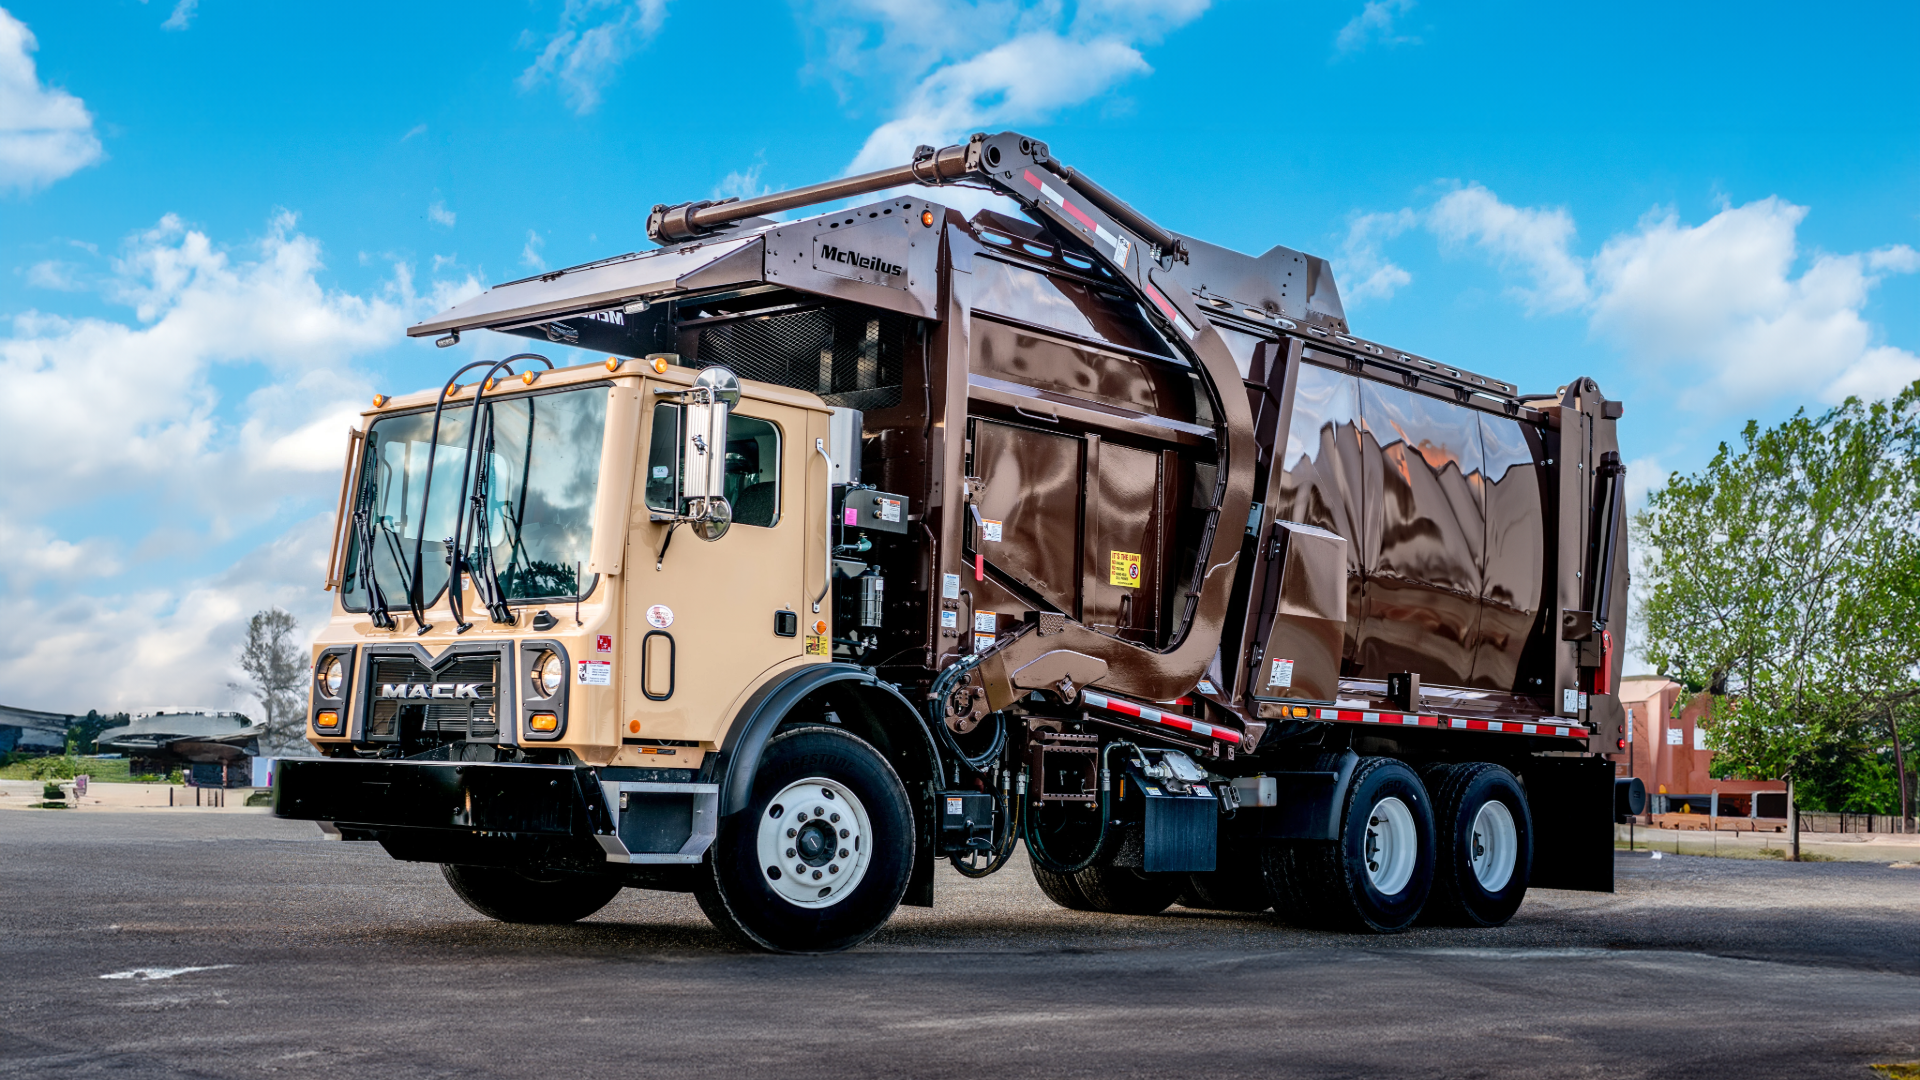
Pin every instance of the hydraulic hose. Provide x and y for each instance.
(943, 685)
(1004, 847)
(1038, 848)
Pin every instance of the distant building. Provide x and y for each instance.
(1667, 751)
(31, 732)
(212, 747)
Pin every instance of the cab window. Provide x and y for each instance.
(753, 467)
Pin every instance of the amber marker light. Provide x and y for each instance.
(633, 726)
(820, 628)
(527, 378)
(544, 721)
(926, 218)
(613, 363)
(659, 365)
(379, 400)
(327, 721)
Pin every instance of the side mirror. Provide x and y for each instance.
(710, 404)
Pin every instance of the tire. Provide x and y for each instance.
(1120, 890)
(1237, 883)
(530, 896)
(776, 878)
(1378, 875)
(1060, 888)
(1485, 845)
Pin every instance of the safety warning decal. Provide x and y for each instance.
(1207, 687)
(596, 673)
(660, 616)
(949, 619)
(603, 643)
(1282, 673)
(817, 646)
(950, 586)
(985, 621)
(982, 642)
(1123, 568)
(990, 530)
(889, 510)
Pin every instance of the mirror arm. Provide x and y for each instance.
(826, 540)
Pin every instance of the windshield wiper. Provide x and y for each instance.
(499, 614)
(363, 534)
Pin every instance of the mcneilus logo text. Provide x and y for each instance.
(830, 253)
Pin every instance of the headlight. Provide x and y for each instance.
(548, 674)
(331, 677)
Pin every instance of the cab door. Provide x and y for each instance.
(705, 619)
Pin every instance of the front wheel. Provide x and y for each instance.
(1378, 874)
(530, 896)
(820, 857)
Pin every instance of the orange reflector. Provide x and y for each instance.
(379, 400)
(926, 218)
(633, 726)
(1299, 712)
(527, 377)
(543, 721)
(659, 365)
(613, 364)
(327, 720)
(820, 627)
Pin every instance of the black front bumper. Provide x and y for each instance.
(523, 800)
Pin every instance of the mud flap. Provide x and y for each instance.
(1571, 800)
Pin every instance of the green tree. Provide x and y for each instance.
(1785, 577)
(276, 670)
(83, 735)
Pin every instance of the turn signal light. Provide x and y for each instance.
(1299, 712)
(926, 218)
(820, 628)
(327, 720)
(659, 365)
(544, 721)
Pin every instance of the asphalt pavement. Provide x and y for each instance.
(238, 945)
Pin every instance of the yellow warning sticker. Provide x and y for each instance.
(1123, 568)
(817, 646)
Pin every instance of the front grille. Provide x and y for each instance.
(852, 357)
(434, 720)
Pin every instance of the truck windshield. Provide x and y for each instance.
(538, 470)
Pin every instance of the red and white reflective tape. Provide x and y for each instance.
(1048, 194)
(1155, 716)
(1515, 727)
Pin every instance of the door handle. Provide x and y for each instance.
(826, 539)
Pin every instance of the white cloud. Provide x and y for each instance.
(743, 184)
(417, 129)
(54, 274)
(990, 64)
(122, 426)
(45, 133)
(438, 213)
(1722, 297)
(1364, 272)
(1373, 25)
(183, 13)
(1534, 240)
(530, 254)
(594, 38)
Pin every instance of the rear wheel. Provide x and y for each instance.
(1121, 890)
(530, 896)
(1059, 888)
(1237, 882)
(820, 857)
(1378, 875)
(1485, 844)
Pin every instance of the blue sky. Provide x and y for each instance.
(216, 219)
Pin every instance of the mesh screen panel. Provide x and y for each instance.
(852, 357)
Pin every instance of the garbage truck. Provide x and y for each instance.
(891, 535)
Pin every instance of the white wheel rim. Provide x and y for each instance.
(815, 841)
(1392, 846)
(1494, 847)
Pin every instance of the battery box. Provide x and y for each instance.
(964, 817)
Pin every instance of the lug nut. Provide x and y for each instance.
(843, 853)
(798, 869)
(834, 869)
(816, 875)
(844, 834)
(801, 816)
(791, 833)
(833, 817)
(790, 853)
(817, 811)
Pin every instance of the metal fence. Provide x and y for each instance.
(1854, 823)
